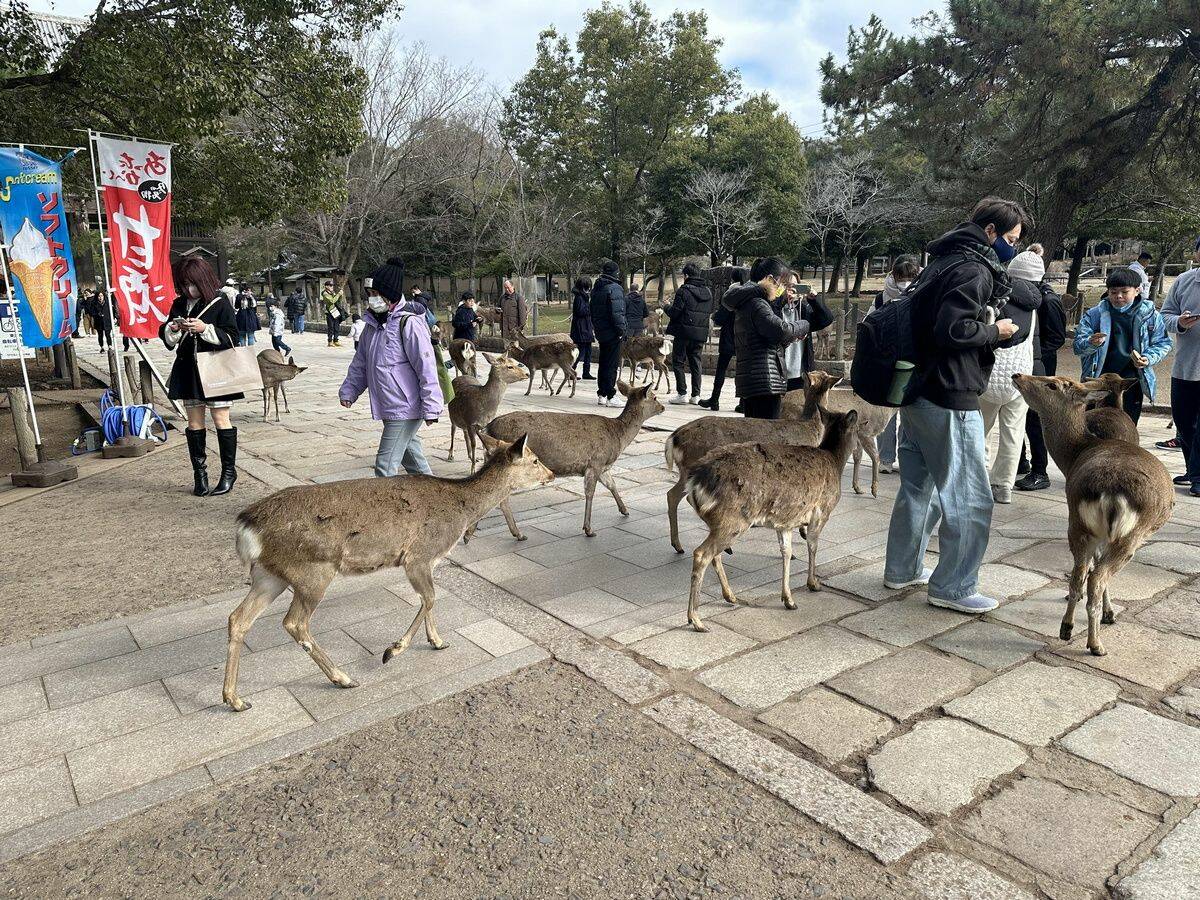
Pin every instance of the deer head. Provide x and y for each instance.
(1051, 395)
(640, 402)
(527, 470)
(511, 371)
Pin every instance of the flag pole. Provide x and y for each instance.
(16, 322)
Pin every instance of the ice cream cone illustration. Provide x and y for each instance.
(29, 259)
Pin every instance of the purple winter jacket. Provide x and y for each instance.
(395, 366)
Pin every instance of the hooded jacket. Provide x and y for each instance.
(581, 318)
(689, 312)
(608, 309)
(394, 364)
(1184, 296)
(952, 325)
(1150, 339)
(1052, 323)
(760, 337)
(465, 322)
(635, 313)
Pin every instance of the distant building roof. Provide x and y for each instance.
(57, 32)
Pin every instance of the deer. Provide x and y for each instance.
(871, 422)
(1117, 496)
(654, 322)
(490, 316)
(1103, 414)
(275, 371)
(691, 442)
(303, 537)
(645, 348)
(475, 404)
(580, 444)
(558, 337)
(539, 357)
(462, 354)
(786, 486)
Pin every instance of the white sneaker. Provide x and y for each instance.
(923, 578)
(1001, 494)
(678, 400)
(975, 604)
(693, 400)
(600, 401)
(613, 401)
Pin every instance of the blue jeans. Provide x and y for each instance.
(399, 445)
(298, 324)
(278, 344)
(245, 338)
(886, 442)
(943, 474)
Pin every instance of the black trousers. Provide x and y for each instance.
(1039, 459)
(764, 406)
(796, 384)
(1132, 402)
(686, 353)
(104, 336)
(724, 357)
(610, 360)
(1185, 410)
(331, 329)
(585, 357)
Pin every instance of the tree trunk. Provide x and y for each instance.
(1160, 271)
(860, 269)
(835, 273)
(1077, 252)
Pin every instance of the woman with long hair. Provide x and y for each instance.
(201, 321)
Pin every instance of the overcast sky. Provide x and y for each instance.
(777, 44)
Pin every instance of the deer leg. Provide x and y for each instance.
(564, 381)
(265, 406)
(857, 458)
(868, 444)
(509, 520)
(785, 549)
(469, 437)
(726, 588)
(701, 558)
(674, 496)
(574, 380)
(286, 408)
(450, 452)
(529, 389)
(1109, 616)
(1116, 556)
(264, 587)
(606, 479)
(296, 623)
(421, 578)
(1083, 546)
(811, 534)
(589, 491)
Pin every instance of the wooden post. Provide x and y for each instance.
(133, 379)
(72, 364)
(147, 383)
(59, 353)
(26, 445)
(113, 367)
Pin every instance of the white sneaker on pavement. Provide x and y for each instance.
(694, 399)
(613, 401)
(975, 604)
(678, 400)
(923, 578)
(600, 401)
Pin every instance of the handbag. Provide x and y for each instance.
(232, 371)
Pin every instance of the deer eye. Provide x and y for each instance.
(1053, 387)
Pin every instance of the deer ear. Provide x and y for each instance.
(1125, 384)
(491, 358)
(491, 444)
(623, 388)
(520, 447)
(852, 418)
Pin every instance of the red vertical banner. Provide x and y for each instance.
(136, 181)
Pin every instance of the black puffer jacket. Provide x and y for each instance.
(690, 310)
(608, 309)
(1021, 307)
(759, 339)
(1052, 320)
(635, 313)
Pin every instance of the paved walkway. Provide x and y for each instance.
(978, 757)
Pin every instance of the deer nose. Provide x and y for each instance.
(1016, 377)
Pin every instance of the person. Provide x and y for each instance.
(357, 326)
(275, 325)
(760, 337)
(425, 300)
(1123, 334)
(581, 324)
(726, 347)
(466, 320)
(84, 313)
(335, 313)
(905, 269)
(246, 318)
(787, 307)
(1051, 334)
(102, 319)
(395, 365)
(201, 321)
(689, 313)
(297, 308)
(607, 305)
(1139, 265)
(512, 313)
(1181, 313)
(636, 311)
(943, 467)
(1001, 403)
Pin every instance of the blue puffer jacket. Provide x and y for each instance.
(1150, 339)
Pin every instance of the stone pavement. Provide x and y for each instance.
(978, 757)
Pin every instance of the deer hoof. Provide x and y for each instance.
(1108, 617)
(678, 549)
(857, 489)
(1098, 650)
(789, 603)
(732, 599)
(522, 537)
(814, 584)
(393, 651)
(698, 625)
(1064, 631)
(438, 645)
(589, 532)
(237, 704)
(346, 683)
(624, 512)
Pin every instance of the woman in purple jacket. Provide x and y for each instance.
(394, 364)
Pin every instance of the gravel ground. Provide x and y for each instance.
(116, 543)
(538, 785)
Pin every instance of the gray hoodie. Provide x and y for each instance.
(1184, 296)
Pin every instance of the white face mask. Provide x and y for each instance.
(377, 304)
(903, 285)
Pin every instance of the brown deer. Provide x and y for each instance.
(559, 355)
(490, 316)
(692, 442)
(462, 354)
(1117, 496)
(558, 337)
(304, 536)
(648, 349)
(1104, 415)
(580, 443)
(276, 371)
(782, 485)
(474, 404)
(871, 422)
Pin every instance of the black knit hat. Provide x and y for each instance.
(1122, 278)
(610, 268)
(388, 279)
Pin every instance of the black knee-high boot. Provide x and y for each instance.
(227, 445)
(195, 442)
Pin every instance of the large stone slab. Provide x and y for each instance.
(1173, 555)
(828, 723)
(23, 663)
(862, 820)
(1141, 655)
(1035, 703)
(1042, 612)
(1003, 581)
(495, 637)
(909, 682)
(904, 622)
(587, 607)
(865, 582)
(25, 698)
(771, 622)
(33, 793)
(1151, 750)
(767, 676)
(1178, 611)
(1186, 700)
(579, 546)
(988, 644)
(1173, 871)
(941, 876)
(942, 765)
(686, 648)
(1072, 835)
(562, 580)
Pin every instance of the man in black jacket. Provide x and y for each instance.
(608, 324)
(943, 454)
(689, 313)
(1051, 335)
(296, 306)
(723, 319)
